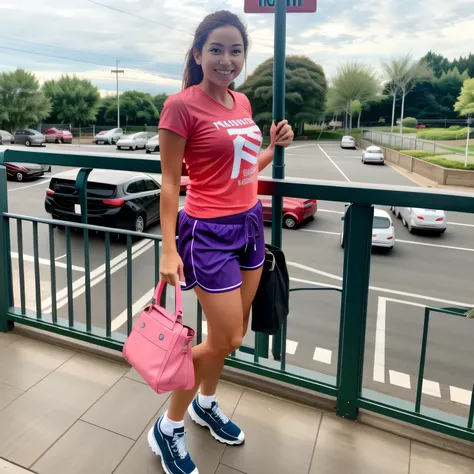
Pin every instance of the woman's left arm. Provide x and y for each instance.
(280, 135)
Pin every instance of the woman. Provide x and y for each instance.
(220, 250)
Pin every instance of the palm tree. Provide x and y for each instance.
(402, 75)
(354, 81)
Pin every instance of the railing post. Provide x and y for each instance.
(355, 291)
(5, 269)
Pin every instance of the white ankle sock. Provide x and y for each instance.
(168, 426)
(206, 400)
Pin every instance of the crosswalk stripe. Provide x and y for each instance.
(431, 388)
(322, 355)
(399, 379)
(459, 395)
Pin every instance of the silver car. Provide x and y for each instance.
(108, 136)
(373, 154)
(6, 137)
(421, 219)
(133, 141)
(153, 144)
(29, 137)
(348, 142)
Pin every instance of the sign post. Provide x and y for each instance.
(279, 8)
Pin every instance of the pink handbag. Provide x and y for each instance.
(159, 346)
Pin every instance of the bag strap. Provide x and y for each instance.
(178, 298)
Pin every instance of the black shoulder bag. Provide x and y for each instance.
(270, 306)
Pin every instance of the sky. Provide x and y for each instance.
(150, 37)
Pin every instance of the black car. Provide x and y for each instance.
(118, 199)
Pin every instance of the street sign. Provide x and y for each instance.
(268, 6)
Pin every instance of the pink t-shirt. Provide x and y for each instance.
(221, 151)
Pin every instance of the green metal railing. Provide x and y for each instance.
(346, 387)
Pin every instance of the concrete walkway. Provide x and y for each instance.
(67, 412)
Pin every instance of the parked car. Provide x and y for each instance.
(295, 210)
(53, 135)
(153, 144)
(348, 142)
(373, 154)
(421, 219)
(118, 199)
(108, 136)
(22, 171)
(29, 137)
(383, 231)
(6, 138)
(133, 141)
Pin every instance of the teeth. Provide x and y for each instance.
(225, 73)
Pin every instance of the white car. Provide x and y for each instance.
(421, 219)
(6, 138)
(383, 232)
(373, 154)
(133, 141)
(108, 136)
(153, 144)
(348, 142)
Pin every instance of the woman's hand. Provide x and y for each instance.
(171, 268)
(281, 134)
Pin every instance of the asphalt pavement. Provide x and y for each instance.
(421, 270)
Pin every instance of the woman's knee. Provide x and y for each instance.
(226, 345)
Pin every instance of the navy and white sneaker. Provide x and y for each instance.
(222, 429)
(173, 451)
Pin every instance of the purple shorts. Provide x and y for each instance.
(215, 250)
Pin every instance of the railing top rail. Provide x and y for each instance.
(338, 191)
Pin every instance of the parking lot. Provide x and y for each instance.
(421, 270)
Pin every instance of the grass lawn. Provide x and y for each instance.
(460, 149)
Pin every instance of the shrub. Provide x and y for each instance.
(454, 127)
(449, 163)
(410, 122)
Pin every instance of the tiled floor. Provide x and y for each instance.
(67, 412)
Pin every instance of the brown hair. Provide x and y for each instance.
(193, 74)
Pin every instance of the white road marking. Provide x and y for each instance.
(399, 379)
(62, 256)
(459, 395)
(431, 388)
(379, 352)
(322, 355)
(79, 284)
(137, 307)
(329, 158)
(460, 224)
(331, 211)
(45, 261)
(376, 288)
(43, 181)
(401, 241)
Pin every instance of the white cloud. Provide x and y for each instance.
(152, 54)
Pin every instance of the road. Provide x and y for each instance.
(421, 270)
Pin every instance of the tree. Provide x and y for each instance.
(159, 101)
(465, 106)
(306, 89)
(137, 108)
(354, 81)
(406, 74)
(437, 63)
(74, 100)
(22, 103)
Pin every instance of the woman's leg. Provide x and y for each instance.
(250, 281)
(224, 315)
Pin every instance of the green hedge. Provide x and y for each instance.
(443, 134)
(454, 127)
(417, 153)
(449, 163)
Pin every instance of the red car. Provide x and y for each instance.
(295, 210)
(21, 171)
(53, 135)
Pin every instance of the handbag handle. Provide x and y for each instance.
(178, 298)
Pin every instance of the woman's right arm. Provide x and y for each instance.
(172, 148)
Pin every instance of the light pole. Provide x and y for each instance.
(118, 71)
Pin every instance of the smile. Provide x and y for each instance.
(224, 73)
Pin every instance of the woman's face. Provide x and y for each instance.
(223, 56)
